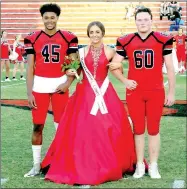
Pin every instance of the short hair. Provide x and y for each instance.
(98, 24)
(50, 7)
(180, 29)
(144, 9)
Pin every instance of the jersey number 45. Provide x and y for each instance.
(51, 53)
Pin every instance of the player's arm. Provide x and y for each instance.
(110, 52)
(130, 84)
(72, 72)
(174, 43)
(167, 52)
(72, 53)
(30, 71)
(74, 56)
(14, 46)
(118, 58)
(9, 48)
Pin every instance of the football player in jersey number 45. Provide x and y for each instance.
(146, 51)
(46, 82)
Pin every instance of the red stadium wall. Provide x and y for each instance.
(24, 17)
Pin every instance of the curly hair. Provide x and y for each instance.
(50, 7)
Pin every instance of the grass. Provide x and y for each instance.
(17, 154)
(11, 92)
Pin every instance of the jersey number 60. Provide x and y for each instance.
(144, 59)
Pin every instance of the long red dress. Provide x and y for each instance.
(90, 149)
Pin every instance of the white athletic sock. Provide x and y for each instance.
(180, 69)
(56, 125)
(36, 149)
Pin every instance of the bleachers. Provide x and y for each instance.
(24, 17)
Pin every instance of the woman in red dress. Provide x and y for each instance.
(5, 48)
(90, 146)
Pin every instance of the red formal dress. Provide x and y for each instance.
(91, 149)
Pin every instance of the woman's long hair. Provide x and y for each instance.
(2, 33)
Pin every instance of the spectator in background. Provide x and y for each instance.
(174, 7)
(180, 40)
(139, 6)
(130, 11)
(165, 10)
(19, 48)
(5, 49)
(177, 21)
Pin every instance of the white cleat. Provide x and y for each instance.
(34, 171)
(85, 186)
(153, 171)
(14, 79)
(22, 78)
(140, 170)
(183, 69)
(7, 79)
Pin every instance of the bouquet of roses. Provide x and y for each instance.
(73, 64)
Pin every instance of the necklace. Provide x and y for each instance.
(96, 53)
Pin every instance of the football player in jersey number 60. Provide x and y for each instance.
(46, 82)
(146, 51)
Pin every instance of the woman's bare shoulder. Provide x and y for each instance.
(109, 51)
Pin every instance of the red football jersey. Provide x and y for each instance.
(180, 41)
(145, 57)
(4, 49)
(50, 51)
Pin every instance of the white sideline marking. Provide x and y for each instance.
(3, 180)
(12, 85)
(178, 184)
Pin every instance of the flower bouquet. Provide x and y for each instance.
(72, 64)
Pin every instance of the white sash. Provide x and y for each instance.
(99, 102)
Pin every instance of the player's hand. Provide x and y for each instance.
(71, 72)
(114, 65)
(170, 100)
(130, 84)
(32, 102)
(62, 88)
